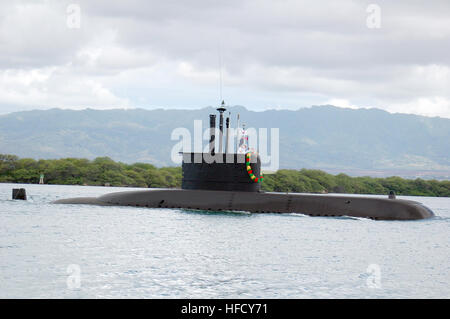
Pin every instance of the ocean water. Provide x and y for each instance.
(70, 251)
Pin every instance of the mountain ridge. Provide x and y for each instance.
(322, 137)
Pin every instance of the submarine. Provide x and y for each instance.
(227, 182)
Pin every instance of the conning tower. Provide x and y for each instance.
(222, 170)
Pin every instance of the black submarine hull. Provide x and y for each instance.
(260, 202)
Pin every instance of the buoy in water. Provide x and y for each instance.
(19, 193)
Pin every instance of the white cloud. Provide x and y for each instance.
(434, 106)
(341, 103)
(275, 54)
(54, 87)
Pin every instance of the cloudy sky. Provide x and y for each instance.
(393, 55)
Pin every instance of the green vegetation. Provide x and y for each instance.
(316, 181)
(75, 171)
(103, 170)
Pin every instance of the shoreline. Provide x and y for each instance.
(103, 171)
(175, 188)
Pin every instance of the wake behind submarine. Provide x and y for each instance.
(225, 181)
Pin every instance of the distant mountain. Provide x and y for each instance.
(324, 137)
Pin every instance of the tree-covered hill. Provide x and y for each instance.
(321, 137)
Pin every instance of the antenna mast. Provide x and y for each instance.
(221, 109)
(227, 138)
(220, 72)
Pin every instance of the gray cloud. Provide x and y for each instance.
(275, 54)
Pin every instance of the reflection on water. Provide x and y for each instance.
(76, 251)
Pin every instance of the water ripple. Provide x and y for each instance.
(127, 252)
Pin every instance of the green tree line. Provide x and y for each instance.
(105, 171)
(316, 181)
(78, 171)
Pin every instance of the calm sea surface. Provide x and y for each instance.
(70, 251)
